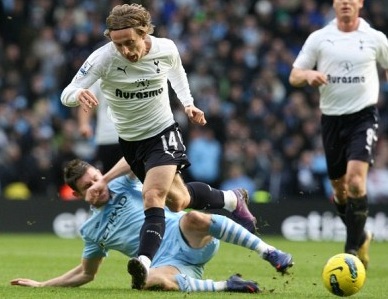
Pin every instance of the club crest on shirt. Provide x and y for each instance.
(156, 62)
(83, 71)
(346, 66)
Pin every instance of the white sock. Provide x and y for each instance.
(263, 248)
(145, 261)
(220, 286)
(230, 200)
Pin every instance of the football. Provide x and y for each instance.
(343, 275)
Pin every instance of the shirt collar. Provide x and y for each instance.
(362, 26)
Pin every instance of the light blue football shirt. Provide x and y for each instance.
(116, 226)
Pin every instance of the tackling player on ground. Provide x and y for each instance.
(191, 239)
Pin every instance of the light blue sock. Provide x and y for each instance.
(189, 284)
(229, 231)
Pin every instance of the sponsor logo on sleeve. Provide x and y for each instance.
(83, 71)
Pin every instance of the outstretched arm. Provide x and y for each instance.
(120, 168)
(80, 275)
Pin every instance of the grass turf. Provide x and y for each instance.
(40, 257)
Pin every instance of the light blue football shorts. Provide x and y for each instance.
(174, 250)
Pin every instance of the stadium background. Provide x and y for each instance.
(261, 133)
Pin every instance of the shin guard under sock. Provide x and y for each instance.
(202, 196)
(356, 215)
(341, 211)
(152, 232)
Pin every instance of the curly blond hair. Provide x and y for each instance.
(129, 16)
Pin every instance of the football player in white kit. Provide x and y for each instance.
(134, 69)
(341, 60)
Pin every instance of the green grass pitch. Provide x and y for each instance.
(40, 256)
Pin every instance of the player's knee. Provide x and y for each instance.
(339, 189)
(197, 220)
(356, 186)
(178, 199)
(154, 198)
(175, 206)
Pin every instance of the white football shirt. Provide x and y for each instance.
(349, 61)
(136, 93)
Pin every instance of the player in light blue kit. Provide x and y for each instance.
(191, 239)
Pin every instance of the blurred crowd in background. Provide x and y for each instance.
(261, 134)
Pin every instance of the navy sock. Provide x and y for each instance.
(341, 211)
(203, 197)
(356, 215)
(152, 232)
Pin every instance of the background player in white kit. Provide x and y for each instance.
(134, 69)
(341, 60)
(108, 151)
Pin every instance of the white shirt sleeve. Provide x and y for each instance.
(382, 53)
(92, 68)
(308, 56)
(179, 82)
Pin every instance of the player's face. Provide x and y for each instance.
(347, 10)
(129, 43)
(91, 176)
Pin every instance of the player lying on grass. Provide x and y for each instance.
(191, 239)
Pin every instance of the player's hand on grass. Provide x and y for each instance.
(25, 282)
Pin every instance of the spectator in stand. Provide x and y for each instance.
(236, 177)
(206, 151)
